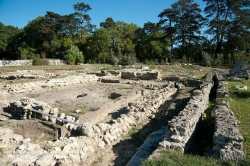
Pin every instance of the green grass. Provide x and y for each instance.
(134, 130)
(240, 105)
(171, 158)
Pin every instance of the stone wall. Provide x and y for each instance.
(16, 63)
(181, 127)
(28, 62)
(140, 74)
(228, 142)
(57, 62)
(221, 86)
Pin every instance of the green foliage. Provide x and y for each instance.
(73, 56)
(207, 59)
(40, 62)
(184, 59)
(171, 158)
(239, 103)
(219, 60)
(27, 52)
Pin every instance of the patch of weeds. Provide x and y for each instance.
(134, 130)
(44, 86)
(176, 158)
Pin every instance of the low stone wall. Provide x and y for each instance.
(29, 62)
(176, 70)
(139, 74)
(228, 142)
(16, 63)
(30, 86)
(57, 62)
(193, 82)
(181, 127)
(20, 76)
(221, 86)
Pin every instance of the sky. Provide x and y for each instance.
(19, 12)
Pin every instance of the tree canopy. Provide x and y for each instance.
(219, 33)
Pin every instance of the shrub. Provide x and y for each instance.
(207, 60)
(40, 62)
(73, 55)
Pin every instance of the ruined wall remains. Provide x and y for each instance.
(30, 103)
(80, 150)
(182, 126)
(140, 74)
(29, 62)
(228, 142)
(57, 62)
(221, 86)
(30, 86)
(16, 63)
(193, 82)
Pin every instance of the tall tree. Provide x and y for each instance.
(168, 18)
(225, 15)
(84, 19)
(182, 23)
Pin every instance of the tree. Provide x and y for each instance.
(168, 18)
(151, 43)
(227, 16)
(73, 55)
(182, 23)
(3, 38)
(84, 25)
(9, 41)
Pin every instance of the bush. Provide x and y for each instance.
(40, 62)
(73, 55)
(207, 60)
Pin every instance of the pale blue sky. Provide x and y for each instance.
(19, 12)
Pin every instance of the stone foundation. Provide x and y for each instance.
(228, 142)
(140, 74)
(221, 86)
(181, 127)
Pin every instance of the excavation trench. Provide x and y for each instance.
(181, 131)
(155, 128)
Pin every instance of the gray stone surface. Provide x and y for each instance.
(227, 141)
(139, 74)
(181, 127)
(221, 86)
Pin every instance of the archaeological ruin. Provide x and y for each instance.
(85, 117)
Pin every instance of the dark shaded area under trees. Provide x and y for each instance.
(218, 35)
